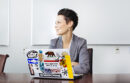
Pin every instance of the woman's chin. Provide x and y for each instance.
(59, 34)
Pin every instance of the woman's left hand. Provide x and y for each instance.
(74, 63)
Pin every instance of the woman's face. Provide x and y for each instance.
(61, 26)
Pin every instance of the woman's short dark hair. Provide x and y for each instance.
(69, 15)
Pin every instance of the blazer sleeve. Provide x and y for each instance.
(52, 44)
(83, 67)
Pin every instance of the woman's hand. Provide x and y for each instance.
(74, 63)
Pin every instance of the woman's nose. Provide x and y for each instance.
(56, 25)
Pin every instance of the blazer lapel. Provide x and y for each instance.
(73, 47)
(59, 43)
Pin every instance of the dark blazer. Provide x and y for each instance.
(78, 52)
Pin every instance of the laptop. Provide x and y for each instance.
(50, 63)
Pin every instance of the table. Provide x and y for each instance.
(95, 78)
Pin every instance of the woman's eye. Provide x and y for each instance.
(58, 22)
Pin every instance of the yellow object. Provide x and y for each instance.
(71, 81)
(64, 53)
(69, 67)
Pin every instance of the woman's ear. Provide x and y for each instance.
(70, 24)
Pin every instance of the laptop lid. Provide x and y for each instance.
(49, 63)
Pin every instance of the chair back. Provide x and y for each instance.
(90, 52)
(3, 61)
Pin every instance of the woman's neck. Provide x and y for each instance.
(66, 39)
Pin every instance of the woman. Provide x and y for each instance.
(65, 24)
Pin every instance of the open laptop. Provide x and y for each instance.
(50, 63)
